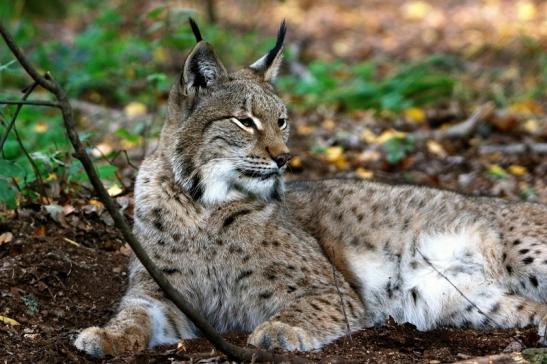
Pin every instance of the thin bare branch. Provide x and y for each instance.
(232, 351)
(11, 126)
(518, 148)
(348, 329)
(29, 102)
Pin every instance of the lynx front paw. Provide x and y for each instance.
(276, 334)
(99, 342)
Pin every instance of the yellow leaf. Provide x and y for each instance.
(526, 107)
(435, 148)
(415, 114)
(364, 173)
(9, 321)
(334, 153)
(517, 170)
(531, 126)
(95, 202)
(51, 177)
(40, 127)
(416, 10)
(135, 109)
(496, 170)
(115, 190)
(304, 130)
(368, 136)
(296, 162)
(388, 134)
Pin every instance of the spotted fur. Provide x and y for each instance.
(296, 264)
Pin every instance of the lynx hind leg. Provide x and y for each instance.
(140, 323)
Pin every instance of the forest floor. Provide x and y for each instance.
(64, 270)
(54, 288)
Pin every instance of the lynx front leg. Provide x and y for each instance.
(141, 322)
(310, 323)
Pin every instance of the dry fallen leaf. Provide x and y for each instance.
(9, 321)
(135, 109)
(415, 114)
(6, 238)
(364, 173)
(517, 170)
(115, 190)
(435, 148)
(296, 162)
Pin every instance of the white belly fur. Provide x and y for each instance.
(456, 254)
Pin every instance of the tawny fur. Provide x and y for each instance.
(252, 254)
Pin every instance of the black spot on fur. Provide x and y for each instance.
(520, 307)
(516, 242)
(291, 289)
(235, 249)
(495, 308)
(161, 242)
(196, 189)
(534, 281)
(504, 256)
(528, 260)
(230, 219)
(315, 307)
(244, 274)
(509, 269)
(414, 294)
(524, 251)
(219, 242)
(170, 270)
(266, 295)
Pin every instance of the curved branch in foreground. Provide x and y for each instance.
(232, 351)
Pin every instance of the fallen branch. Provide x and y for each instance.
(518, 148)
(460, 130)
(232, 351)
(510, 358)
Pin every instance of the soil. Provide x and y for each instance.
(54, 288)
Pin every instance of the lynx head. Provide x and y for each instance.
(226, 133)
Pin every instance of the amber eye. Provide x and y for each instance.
(247, 122)
(282, 123)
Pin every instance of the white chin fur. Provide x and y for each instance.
(219, 179)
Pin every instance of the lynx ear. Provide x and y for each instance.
(202, 67)
(269, 64)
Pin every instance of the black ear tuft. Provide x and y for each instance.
(278, 44)
(195, 30)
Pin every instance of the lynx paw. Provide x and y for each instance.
(99, 342)
(276, 334)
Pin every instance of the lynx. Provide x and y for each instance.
(297, 263)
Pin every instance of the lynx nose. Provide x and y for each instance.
(282, 159)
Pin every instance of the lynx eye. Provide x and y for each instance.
(247, 122)
(282, 123)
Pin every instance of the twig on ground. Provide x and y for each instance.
(460, 130)
(518, 148)
(508, 358)
(232, 351)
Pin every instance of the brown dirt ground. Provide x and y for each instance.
(53, 288)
